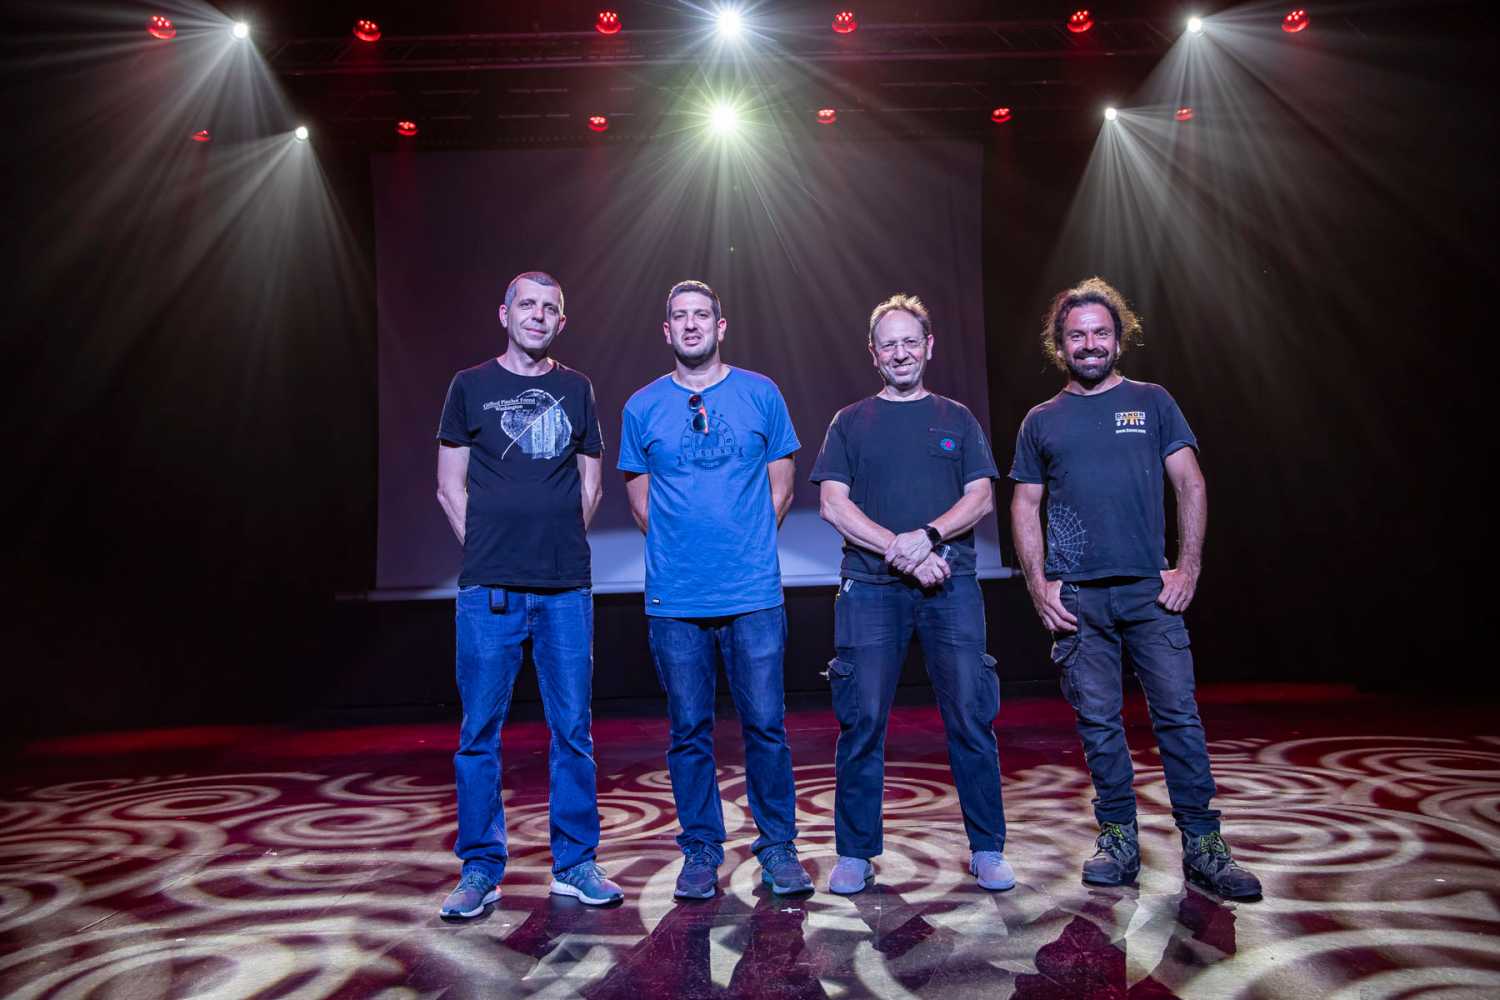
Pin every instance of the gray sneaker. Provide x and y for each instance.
(850, 875)
(993, 871)
(1207, 863)
(587, 882)
(1118, 858)
(474, 892)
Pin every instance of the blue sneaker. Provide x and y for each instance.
(992, 870)
(699, 878)
(586, 882)
(850, 875)
(475, 891)
(780, 869)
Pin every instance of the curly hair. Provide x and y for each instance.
(1093, 292)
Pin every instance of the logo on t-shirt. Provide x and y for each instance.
(710, 450)
(947, 444)
(1130, 422)
(536, 421)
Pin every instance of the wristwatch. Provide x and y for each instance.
(933, 535)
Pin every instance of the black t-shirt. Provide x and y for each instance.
(1100, 458)
(524, 526)
(904, 464)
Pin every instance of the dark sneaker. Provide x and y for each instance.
(1118, 858)
(475, 891)
(780, 869)
(992, 870)
(699, 878)
(1207, 863)
(850, 875)
(586, 881)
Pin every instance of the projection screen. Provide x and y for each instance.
(799, 242)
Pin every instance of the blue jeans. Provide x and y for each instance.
(1122, 613)
(492, 624)
(873, 625)
(752, 646)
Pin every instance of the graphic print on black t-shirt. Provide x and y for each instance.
(535, 421)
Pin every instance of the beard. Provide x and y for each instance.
(691, 356)
(1092, 374)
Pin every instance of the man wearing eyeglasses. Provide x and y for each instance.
(519, 478)
(707, 451)
(904, 476)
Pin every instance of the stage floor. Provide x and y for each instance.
(306, 862)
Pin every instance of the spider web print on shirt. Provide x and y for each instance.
(1067, 538)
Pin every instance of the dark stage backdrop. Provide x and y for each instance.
(800, 243)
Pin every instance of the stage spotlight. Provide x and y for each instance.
(598, 123)
(160, 27)
(366, 30)
(1183, 114)
(827, 116)
(844, 22)
(300, 133)
(202, 136)
(1080, 21)
(607, 23)
(729, 24)
(240, 30)
(406, 128)
(1195, 25)
(1000, 116)
(1294, 22)
(1110, 114)
(723, 120)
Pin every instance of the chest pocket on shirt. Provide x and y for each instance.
(945, 444)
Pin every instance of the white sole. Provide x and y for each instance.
(493, 896)
(564, 889)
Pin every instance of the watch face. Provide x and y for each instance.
(933, 535)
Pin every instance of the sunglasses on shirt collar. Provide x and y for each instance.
(700, 413)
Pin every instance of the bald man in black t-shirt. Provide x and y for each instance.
(904, 476)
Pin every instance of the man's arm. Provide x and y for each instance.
(1026, 530)
(838, 510)
(783, 473)
(591, 485)
(907, 550)
(1180, 583)
(453, 485)
(638, 489)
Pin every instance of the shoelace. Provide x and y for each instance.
(477, 881)
(775, 857)
(583, 871)
(699, 855)
(1112, 836)
(1219, 857)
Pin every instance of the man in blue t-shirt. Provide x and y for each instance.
(519, 470)
(707, 451)
(1096, 452)
(904, 476)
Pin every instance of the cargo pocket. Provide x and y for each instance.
(990, 685)
(840, 674)
(1177, 637)
(1065, 648)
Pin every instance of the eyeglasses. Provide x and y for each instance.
(700, 413)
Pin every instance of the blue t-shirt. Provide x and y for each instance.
(711, 535)
(1100, 458)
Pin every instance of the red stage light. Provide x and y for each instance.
(366, 31)
(1079, 22)
(161, 28)
(827, 116)
(1295, 21)
(406, 128)
(844, 22)
(598, 123)
(1183, 114)
(202, 136)
(1000, 116)
(607, 23)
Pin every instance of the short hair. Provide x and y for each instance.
(694, 286)
(541, 278)
(901, 302)
(1093, 292)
